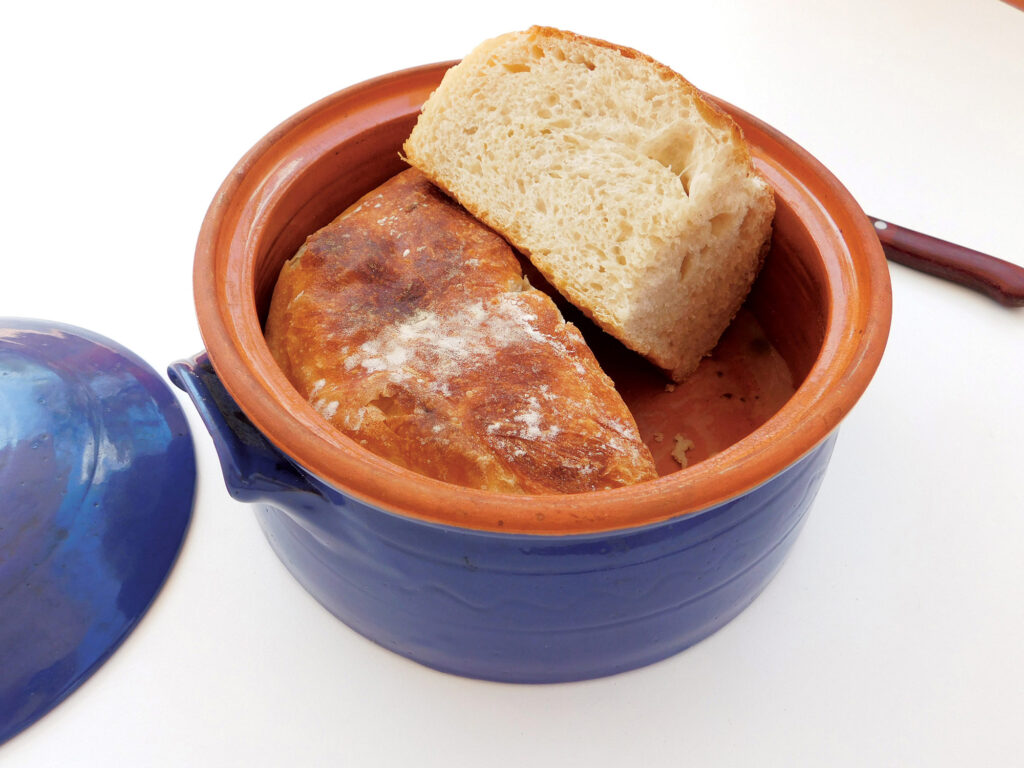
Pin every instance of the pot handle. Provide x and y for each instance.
(254, 470)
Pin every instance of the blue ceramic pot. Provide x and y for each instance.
(532, 588)
(509, 607)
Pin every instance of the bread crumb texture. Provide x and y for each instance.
(683, 444)
(634, 196)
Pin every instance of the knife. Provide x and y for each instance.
(998, 279)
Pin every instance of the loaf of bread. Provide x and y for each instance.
(409, 326)
(630, 192)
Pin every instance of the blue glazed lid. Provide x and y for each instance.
(97, 477)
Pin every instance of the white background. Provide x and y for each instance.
(892, 636)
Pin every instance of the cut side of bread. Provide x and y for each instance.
(631, 193)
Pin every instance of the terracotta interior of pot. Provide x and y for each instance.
(756, 367)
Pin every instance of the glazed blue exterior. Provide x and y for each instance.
(97, 475)
(510, 607)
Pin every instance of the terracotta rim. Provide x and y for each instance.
(857, 328)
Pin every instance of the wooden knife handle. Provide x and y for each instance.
(994, 277)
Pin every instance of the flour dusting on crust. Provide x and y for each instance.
(448, 346)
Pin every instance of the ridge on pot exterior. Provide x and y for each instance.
(496, 586)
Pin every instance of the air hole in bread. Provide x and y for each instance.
(571, 139)
(387, 406)
(674, 149)
(749, 223)
(722, 223)
(684, 268)
(515, 66)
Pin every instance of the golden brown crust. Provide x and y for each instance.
(408, 325)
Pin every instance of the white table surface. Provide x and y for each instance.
(894, 634)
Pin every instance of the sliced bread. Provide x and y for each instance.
(632, 194)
